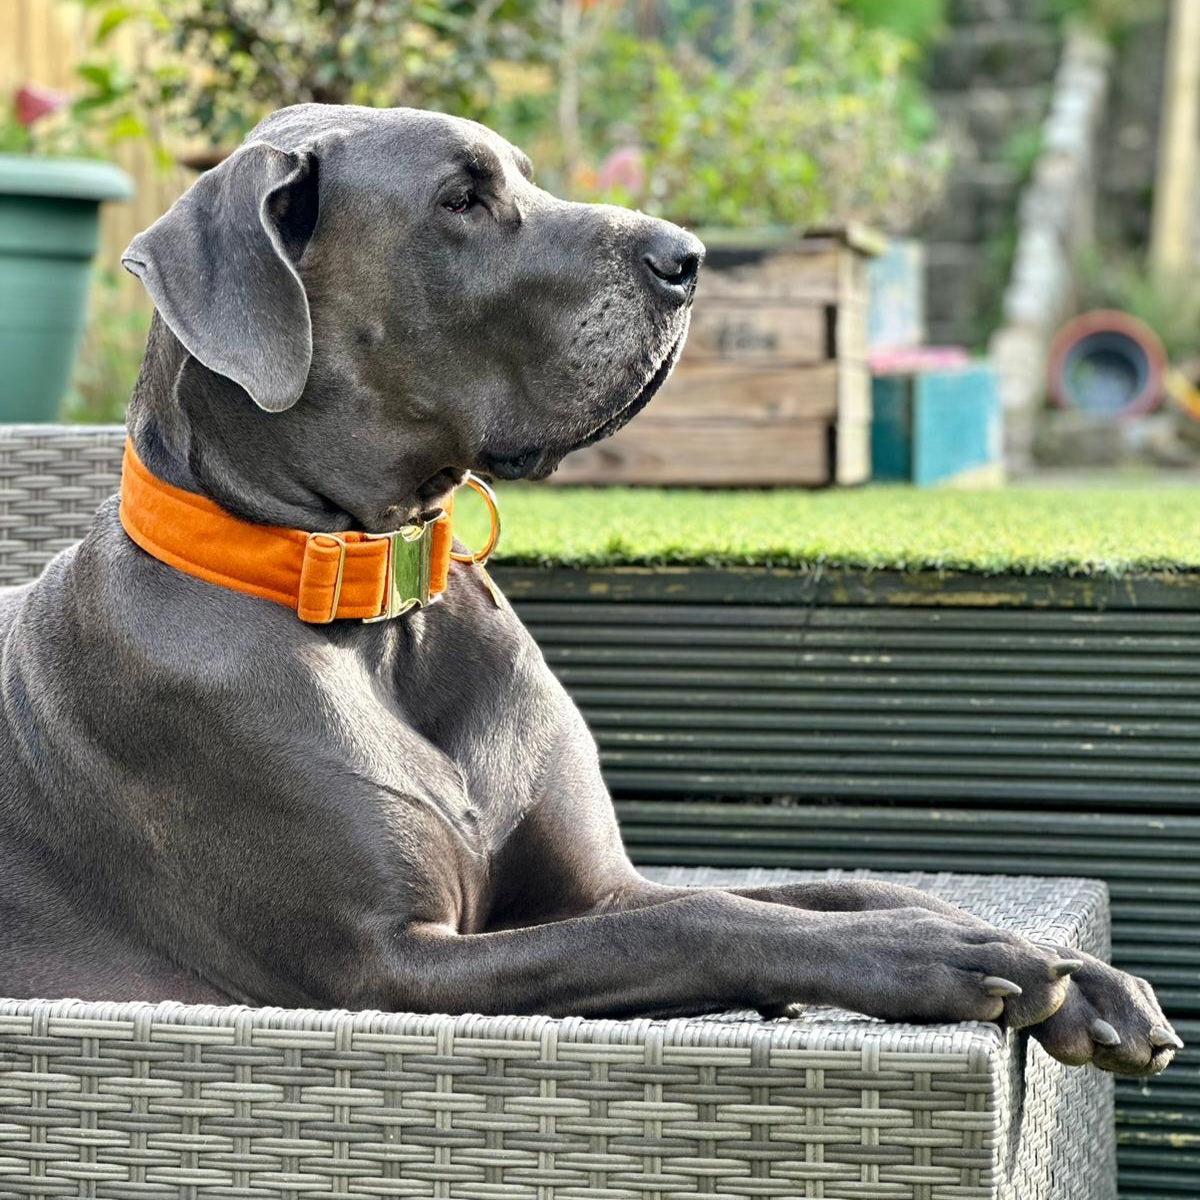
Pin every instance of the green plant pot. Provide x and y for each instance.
(49, 232)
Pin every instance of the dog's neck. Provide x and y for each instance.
(302, 469)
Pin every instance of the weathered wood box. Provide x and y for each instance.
(773, 385)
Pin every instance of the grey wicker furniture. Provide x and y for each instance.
(52, 479)
(125, 1101)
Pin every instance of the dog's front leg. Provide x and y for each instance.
(709, 950)
(1109, 1018)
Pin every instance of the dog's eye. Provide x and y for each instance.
(460, 204)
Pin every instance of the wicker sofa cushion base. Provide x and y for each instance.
(135, 1100)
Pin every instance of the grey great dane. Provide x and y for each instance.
(204, 798)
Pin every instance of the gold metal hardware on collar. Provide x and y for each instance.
(479, 557)
(315, 539)
(410, 557)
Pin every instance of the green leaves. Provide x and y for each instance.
(765, 112)
(1168, 303)
(798, 115)
(215, 67)
(108, 79)
(112, 20)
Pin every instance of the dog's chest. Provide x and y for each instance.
(469, 765)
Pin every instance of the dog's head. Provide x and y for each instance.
(393, 279)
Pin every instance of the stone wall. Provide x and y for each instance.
(1128, 152)
(1056, 220)
(991, 82)
(1053, 134)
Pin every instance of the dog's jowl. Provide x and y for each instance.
(265, 739)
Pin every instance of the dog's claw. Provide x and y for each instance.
(1065, 966)
(1161, 1036)
(1103, 1034)
(995, 986)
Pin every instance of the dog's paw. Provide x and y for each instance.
(915, 965)
(1112, 1020)
(1002, 978)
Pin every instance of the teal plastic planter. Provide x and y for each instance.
(937, 426)
(49, 231)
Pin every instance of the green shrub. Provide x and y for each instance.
(762, 112)
(111, 355)
(217, 66)
(1169, 304)
(921, 22)
(1109, 17)
(755, 112)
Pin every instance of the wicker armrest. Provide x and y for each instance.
(135, 1100)
(52, 480)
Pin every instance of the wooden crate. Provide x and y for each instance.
(773, 386)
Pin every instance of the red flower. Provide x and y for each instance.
(33, 103)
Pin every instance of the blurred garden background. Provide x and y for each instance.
(901, 569)
(988, 168)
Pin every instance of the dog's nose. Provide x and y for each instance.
(673, 257)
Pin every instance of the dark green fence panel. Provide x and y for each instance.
(1158, 1128)
(848, 719)
(827, 700)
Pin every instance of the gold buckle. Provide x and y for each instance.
(410, 558)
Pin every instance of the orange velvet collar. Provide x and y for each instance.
(322, 576)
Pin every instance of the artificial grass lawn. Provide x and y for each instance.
(1101, 531)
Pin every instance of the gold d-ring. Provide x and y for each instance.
(489, 498)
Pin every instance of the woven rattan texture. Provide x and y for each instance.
(129, 1100)
(52, 478)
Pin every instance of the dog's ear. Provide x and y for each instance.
(220, 266)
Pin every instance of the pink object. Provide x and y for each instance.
(33, 103)
(623, 168)
(913, 360)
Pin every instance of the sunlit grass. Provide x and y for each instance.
(1092, 531)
